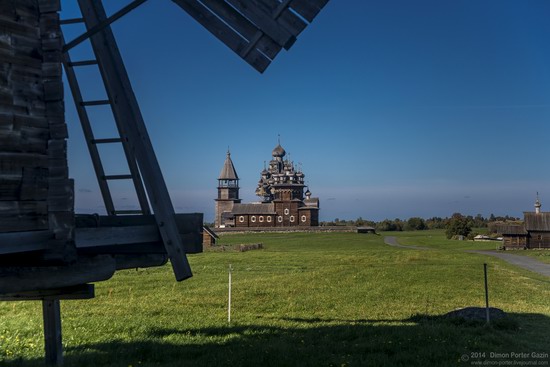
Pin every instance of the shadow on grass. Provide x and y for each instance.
(418, 341)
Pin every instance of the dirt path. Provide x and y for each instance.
(524, 262)
(392, 241)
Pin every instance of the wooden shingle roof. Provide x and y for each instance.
(263, 208)
(511, 229)
(537, 221)
(228, 171)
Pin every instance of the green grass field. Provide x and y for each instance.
(326, 299)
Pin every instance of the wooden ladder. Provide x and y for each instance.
(144, 170)
(92, 143)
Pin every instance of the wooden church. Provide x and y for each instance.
(533, 233)
(281, 189)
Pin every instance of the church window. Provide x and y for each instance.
(286, 211)
(279, 219)
(241, 219)
(304, 218)
(253, 219)
(292, 218)
(261, 218)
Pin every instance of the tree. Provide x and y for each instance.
(435, 223)
(388, 225)
(458, 226)
(416, 224)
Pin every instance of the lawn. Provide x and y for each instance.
(306, 299)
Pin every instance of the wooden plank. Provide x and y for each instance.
(283, 16)
(15, 160)
(265, 44)
(81, 291)
(84, 270)
(47, 6)
(61, 195)
(17, 216)
(308, 8)
(263, 21)
(19, 28)
(134, 261)
(53, 90)
(224, 33)
(127, 234)
(17, 242)
(109, 236)
(34, 184)
(25, 139)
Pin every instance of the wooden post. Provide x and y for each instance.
(52, 332)
(486, 294)
(52, 314)
(229, 299)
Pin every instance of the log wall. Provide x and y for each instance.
(35, 190)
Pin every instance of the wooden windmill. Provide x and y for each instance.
(46, 251)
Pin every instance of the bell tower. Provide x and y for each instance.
(228, 192)
(537, 205)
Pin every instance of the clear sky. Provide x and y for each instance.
(394, 108)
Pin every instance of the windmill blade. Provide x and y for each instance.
(254, 29)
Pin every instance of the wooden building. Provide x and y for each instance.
(36, 193)
(281, 188)
(514, 236)
(209, 237)
(533, 233)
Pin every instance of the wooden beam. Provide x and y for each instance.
(134, 261)
(15, 242)
(84, 270)
(308, 8)
(81, 291)
(224, 33)
(263, 21)
(97, 28)
(137, 234)
(264, 44)
(110, 236)
(51, 311)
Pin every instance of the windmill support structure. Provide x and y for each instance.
(47, 252)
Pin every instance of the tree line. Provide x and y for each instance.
(455, 225)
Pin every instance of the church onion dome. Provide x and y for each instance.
(278, 151)
(228, 171)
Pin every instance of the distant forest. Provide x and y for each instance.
(417, 223)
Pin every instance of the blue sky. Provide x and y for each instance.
(394, 108)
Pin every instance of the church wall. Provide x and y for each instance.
(254, 220)
(222, 206)
(305, 218)
(287, 213)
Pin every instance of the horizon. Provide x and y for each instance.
(393, 109)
